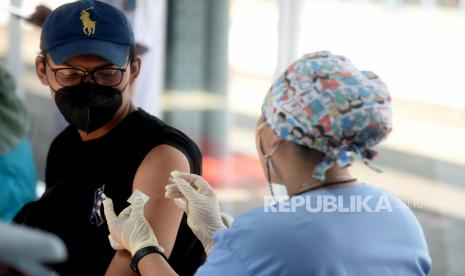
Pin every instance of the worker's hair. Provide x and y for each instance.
(309, 154)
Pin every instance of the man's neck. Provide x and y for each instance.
(106, 128)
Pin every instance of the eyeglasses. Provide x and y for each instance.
(105, 76)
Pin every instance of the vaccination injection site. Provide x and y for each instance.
(232, 137)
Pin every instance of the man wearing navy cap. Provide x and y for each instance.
(87, 59)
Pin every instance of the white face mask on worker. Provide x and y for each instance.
(279, 192)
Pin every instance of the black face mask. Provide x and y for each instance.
(88, 106)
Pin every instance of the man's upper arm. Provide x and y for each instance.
(151, 178)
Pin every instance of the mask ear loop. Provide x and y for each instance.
(267, 156)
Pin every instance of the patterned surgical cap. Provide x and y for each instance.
(323, 102)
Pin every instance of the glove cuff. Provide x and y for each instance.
(226, 219)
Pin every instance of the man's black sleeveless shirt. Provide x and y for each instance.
(76, 170)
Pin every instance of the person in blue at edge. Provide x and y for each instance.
(18, 177)
(317, 115)
(89, 63)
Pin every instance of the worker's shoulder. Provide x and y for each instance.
(260, 225)
(265, 241)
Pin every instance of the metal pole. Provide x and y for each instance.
(14, 60)
(462, 5)
(429, 3)
(288, 33)
(197, 71)
(395, 4)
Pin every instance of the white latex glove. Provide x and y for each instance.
(26, 248)
(227, 219)
(194, 195)
(130, 230)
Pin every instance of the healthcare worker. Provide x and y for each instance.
(319, 115)
(18, 177)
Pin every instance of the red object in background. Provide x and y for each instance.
(233, 171)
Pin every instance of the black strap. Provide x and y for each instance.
(141, 253)
(326, 185)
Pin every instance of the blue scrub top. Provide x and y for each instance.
(340, 231)
(18, 179)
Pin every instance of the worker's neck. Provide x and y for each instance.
(301, 179)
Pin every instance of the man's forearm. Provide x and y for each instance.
(119, 265)
(155, 264)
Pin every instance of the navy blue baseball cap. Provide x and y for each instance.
(87, 27)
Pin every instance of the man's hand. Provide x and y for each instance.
(129, 230)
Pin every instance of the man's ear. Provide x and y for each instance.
(41, 70)
(135, 69)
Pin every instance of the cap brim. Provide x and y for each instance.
(114, 53)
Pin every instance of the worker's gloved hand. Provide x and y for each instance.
(194, 195)
(129, 230)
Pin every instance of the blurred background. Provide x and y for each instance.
(214, 60)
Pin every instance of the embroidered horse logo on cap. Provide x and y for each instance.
(87, 22)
